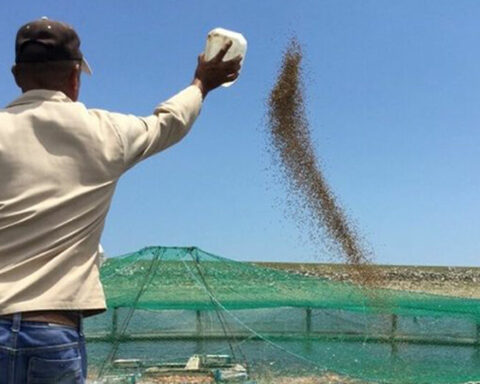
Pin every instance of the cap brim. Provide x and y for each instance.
(85, 67)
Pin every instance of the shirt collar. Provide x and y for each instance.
(38, 95)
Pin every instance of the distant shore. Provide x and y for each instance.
(450, 281)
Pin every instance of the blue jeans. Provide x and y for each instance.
(41, 353)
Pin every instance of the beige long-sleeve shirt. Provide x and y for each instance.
(59, 165)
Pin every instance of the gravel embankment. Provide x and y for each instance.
(451, 281)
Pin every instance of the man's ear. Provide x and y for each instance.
(15, 75)
(74, 82)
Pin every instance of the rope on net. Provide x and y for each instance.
(255, 333)
(157, 256)
(218, 313)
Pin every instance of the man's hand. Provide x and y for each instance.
(213, 73)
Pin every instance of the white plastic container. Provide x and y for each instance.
(217, 38)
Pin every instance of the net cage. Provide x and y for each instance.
(167, 304)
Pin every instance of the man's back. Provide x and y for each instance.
(59, 168)
(60, 163)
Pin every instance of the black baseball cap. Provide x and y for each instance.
(47, 40)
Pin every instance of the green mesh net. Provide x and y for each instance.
(167, 304)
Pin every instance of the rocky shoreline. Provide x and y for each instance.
(451, 281)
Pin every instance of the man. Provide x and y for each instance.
(59, 165)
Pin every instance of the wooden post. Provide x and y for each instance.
(308, 330)
(308, 320)
(478, 334)
(114, 323)
(393, 334)
(477, 344)
(199, 332)
(394, 326)
(199, 323)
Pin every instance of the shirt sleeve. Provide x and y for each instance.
(141, 137)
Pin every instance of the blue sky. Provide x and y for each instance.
(393, 93)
